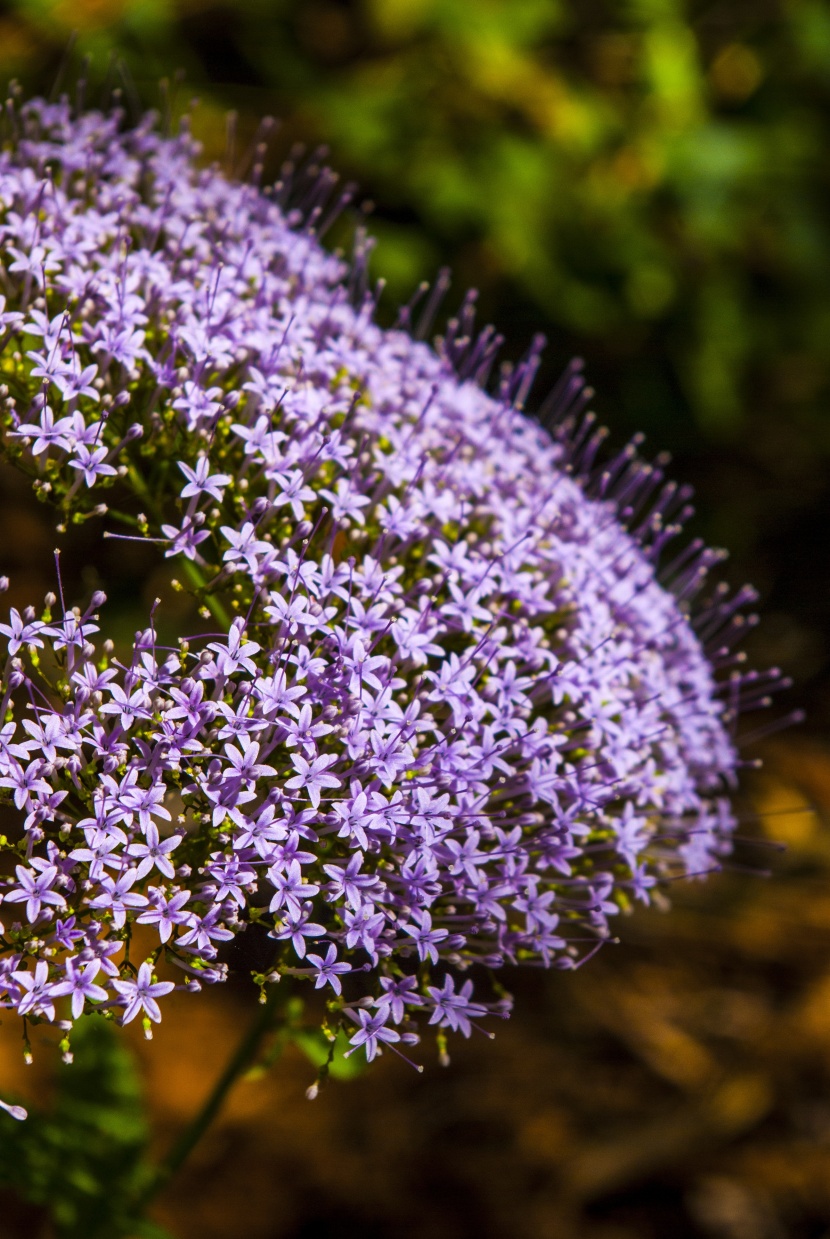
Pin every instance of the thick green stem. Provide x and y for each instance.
(239, 1062)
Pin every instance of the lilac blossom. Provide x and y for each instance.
(462, 707)
(141, 994)
(373, 1032)
(80, 983)
(200, 481)
(328, 971)
(35, 889)
(37, 992)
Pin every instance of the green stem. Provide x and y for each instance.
(240, 1060)
(191, 569)
(213, 604)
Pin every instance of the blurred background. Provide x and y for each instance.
(644, 181)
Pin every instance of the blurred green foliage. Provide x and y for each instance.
(645, 170)
(334, 1057)
(643, 180)
(82, 1158)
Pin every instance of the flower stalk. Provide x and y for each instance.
(240, 1061)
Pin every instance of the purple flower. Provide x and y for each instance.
(397, 995)
(454, 1010)
(244, 761)
(311, 776)
(293, 492)
(204, 931)
(166, 913)
(144, 802)
(20, 633)
(153, 852)
(184, 541)
(92, 463)
(141, 994)
(80, 983)
(200, 481)
(297, 927)
(117, 898)
(127, 706)
(290, 887)
(426, 938)
(372, 1033)
(47, 433)
(37, 991)
(328, 971)
(35, 888)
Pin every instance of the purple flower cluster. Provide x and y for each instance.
(452, 718)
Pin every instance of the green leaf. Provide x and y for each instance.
(83, 1158)
(317, 1048)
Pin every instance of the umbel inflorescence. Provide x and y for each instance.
(450, 712)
